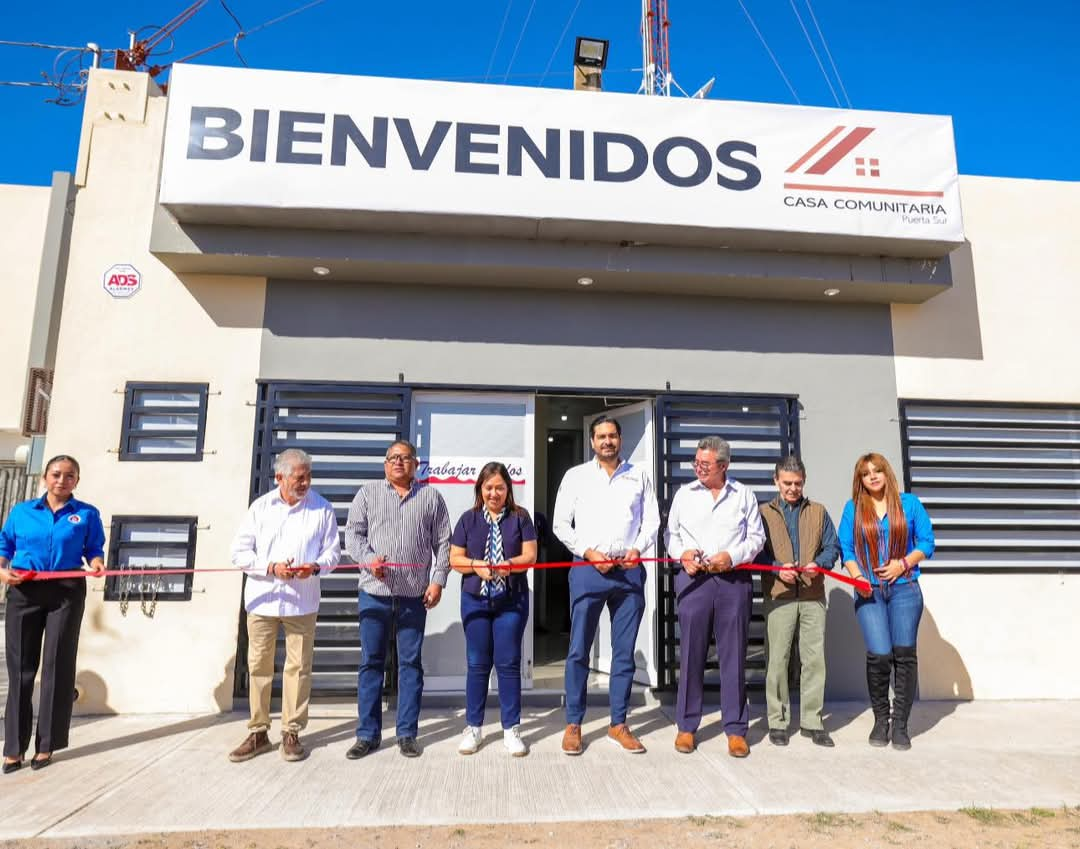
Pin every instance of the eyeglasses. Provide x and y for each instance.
(393, 459)
(704, 465)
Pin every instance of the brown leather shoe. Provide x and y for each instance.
(571, 740)
(257, 743)
(622, 736)
(291, 749)
(736, 746)
(684, 742)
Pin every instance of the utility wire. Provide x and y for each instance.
(244, 33)
(558, 44)
(825, 44)
(772, 56)
(521, 35)
(813, 50)
(39, 44)
(498, 39)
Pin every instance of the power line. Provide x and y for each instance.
(498, 39)
(39, 44)
(772, 56)
(521, 35)
(244, 33)
(813, 50)
(825, 44)
(558, 45)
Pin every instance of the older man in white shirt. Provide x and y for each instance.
(287, 541)
(606, 513)
(714, 525)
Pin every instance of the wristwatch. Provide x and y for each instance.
(316, 570)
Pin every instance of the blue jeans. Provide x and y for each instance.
(493, 632)
(377, 613)
(890, 617)
(626, 607)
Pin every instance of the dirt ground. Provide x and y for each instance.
(968, 828)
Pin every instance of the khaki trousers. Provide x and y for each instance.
(295, 678)
(781, 620)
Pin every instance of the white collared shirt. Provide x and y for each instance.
(609, 514)
(731, 522)
(275, 532)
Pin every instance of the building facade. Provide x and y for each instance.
(257, 263)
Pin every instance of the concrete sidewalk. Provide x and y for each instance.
(136, 774)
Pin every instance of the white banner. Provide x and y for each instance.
(253, 139)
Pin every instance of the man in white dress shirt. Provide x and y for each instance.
(606, 513)
(714, 525)
(288, 539)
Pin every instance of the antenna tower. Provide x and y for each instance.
(656, 54)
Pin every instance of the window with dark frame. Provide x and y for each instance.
(1001, 482)
(164, 421)
(151, 542)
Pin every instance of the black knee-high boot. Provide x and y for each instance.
(878, 672)
(906, 666)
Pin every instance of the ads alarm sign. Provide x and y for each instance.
(122, 281)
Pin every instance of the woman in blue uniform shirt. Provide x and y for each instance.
(54, 533)
(885, 534)
(493, 545)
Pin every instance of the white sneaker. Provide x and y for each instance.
(513, 742)
(470, 741)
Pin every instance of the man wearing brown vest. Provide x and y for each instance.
(798, 533)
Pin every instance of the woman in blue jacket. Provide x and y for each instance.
(885, 534)
(492, 547)
(54, 533)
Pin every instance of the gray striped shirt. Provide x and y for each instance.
(413, 529)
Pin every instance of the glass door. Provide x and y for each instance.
(455, 435)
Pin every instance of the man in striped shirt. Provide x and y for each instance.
(395, 521)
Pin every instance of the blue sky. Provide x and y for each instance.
(1007, 72)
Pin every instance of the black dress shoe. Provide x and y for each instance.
(12, 766)
(819, 735)
(360, 748)
(40, 763)
(778, 736)
(407, 746)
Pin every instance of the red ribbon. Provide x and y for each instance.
(858, 583)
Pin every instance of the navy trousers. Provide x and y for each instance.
(716, 606)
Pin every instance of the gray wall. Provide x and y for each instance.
(836, 357)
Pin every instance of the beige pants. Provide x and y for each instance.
(295, 678)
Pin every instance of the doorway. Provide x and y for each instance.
(561, 443)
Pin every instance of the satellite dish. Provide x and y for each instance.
(703, 92)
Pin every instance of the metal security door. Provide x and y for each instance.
(761, 430)
(346, 428)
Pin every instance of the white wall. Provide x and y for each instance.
(23, 218)
(1006, 332)
(199, 329)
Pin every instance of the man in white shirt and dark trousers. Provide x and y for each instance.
(714, 525)
(288, 539)
(606, 513)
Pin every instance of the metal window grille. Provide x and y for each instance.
(163, 421)
(151, 542)
(1001, 483)
(38, 394)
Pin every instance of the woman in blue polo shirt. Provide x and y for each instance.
(54, 533)
(884, 535)
(493, 545)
